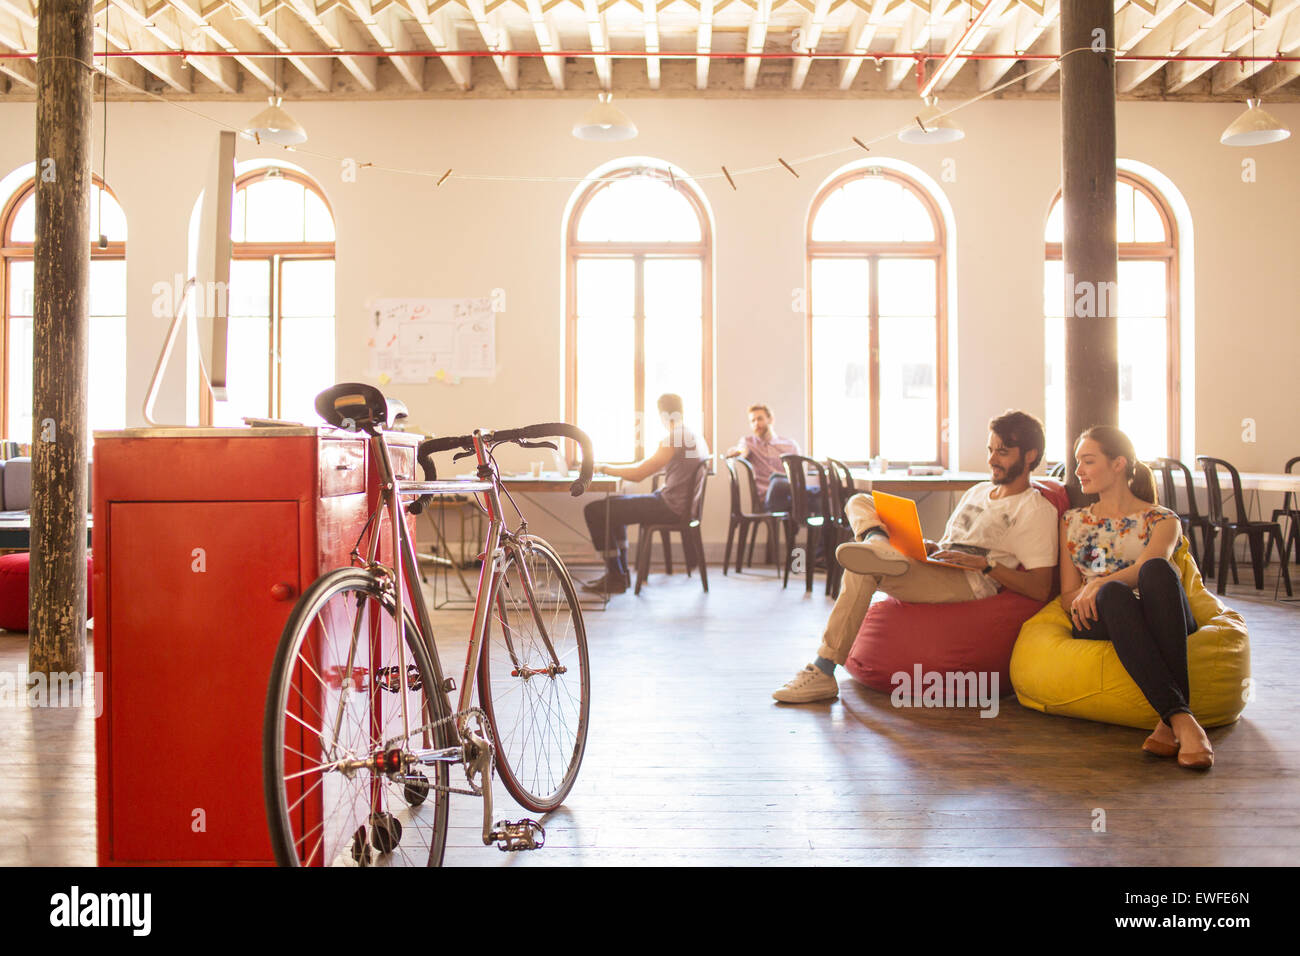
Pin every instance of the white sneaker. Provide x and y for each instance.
(873, 556)
(810, 684)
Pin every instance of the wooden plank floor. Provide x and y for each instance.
(691, 762)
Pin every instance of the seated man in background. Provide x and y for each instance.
(678, 456)
(999, 526)
(763, 449)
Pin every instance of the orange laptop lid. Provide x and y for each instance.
(902, 522)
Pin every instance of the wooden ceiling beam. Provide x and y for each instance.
(441, 32)
(813, 24)
(497, 38)
(755, 41)
(703, 43)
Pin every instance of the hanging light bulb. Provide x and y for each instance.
(938, 129)
(1255, 127)
(274, 125)
(604, 122)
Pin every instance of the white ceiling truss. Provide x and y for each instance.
(1168, 49)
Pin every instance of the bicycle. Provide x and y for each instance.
(359, 733)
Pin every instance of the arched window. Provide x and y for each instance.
(106, 398)
(281, 331)
(877, 320)
(639, 314)
(1148, 321)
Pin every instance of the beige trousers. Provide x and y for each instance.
(919, 583)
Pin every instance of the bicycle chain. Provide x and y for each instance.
(484, 725)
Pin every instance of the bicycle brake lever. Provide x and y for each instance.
(463, 454)
(537, 444)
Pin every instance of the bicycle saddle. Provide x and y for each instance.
(356, 407)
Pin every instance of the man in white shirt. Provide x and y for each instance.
(1002, 535)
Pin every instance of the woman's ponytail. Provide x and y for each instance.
(1143, 483)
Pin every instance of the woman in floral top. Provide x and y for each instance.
(1118, 585)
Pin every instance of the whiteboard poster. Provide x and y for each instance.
(414, 340)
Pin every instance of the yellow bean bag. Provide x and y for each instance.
(1054, 673)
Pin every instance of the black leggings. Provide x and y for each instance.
(1149, 633)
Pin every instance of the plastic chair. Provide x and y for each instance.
(841, 490)
(692, 541)
(813, 518)
(1166, 470)
(1255, 531)
(743, 521)
(1291, 509)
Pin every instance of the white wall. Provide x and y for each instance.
(398, 235)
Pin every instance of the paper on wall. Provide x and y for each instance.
(412, 340)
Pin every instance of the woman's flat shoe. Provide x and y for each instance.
(1159, 748)
(1196, 759)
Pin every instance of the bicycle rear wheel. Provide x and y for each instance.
(538, 706)
(344, 719)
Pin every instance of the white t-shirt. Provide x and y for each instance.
(1019, 530)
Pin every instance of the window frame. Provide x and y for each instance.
(275, 254)
(1169, 253)
(11, 251)
(935, 250)
(575, 249)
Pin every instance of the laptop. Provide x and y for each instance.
(901, 520)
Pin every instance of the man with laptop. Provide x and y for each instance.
(1002, 535)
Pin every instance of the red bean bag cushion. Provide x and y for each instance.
(897, 637)
(15, 572)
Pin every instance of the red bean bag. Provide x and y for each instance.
(15, 572)
(945, 638)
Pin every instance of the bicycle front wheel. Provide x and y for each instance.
(350, 710)
(533, 676)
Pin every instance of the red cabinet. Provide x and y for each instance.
(203, 540)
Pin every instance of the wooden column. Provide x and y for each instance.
(64, 97)
(1088, 197)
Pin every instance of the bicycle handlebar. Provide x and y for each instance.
(433, 446)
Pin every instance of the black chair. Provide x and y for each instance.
(745, 521)
(1166, 471)
(813, 516)
(1291, 509)
(1057, 471)
(842, 489)
(1255, 531)
(689, 529)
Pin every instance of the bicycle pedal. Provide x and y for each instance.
(522, 835)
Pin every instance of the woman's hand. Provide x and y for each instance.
(1083, 609)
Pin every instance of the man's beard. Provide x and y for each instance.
(1012, 473)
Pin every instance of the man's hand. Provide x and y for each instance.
(930, 546)
(976, 562)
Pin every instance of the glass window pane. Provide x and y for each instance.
(1054, 343)
(1144, 384)
(20, 379)
(106, 216)
(307, 288)
(673, 361)
(320, 224)
(1123, 212)
(840, 287)
(306, 365)
(909, 397)
(23, 227)
(108, 288)
(248, 373)
(238, 216)
(639, 209)
(275, 211)
(250, 288)
(908, 287)
(106, 398)
(1148, 226)
(21, 279)
(840, 394)
(605, 355)
(873, 209)
(1054, 287)
(1142, 289)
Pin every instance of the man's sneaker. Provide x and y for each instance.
(609, 583)
(810, 684)
(873, 556)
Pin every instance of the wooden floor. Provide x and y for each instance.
(691, 762)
